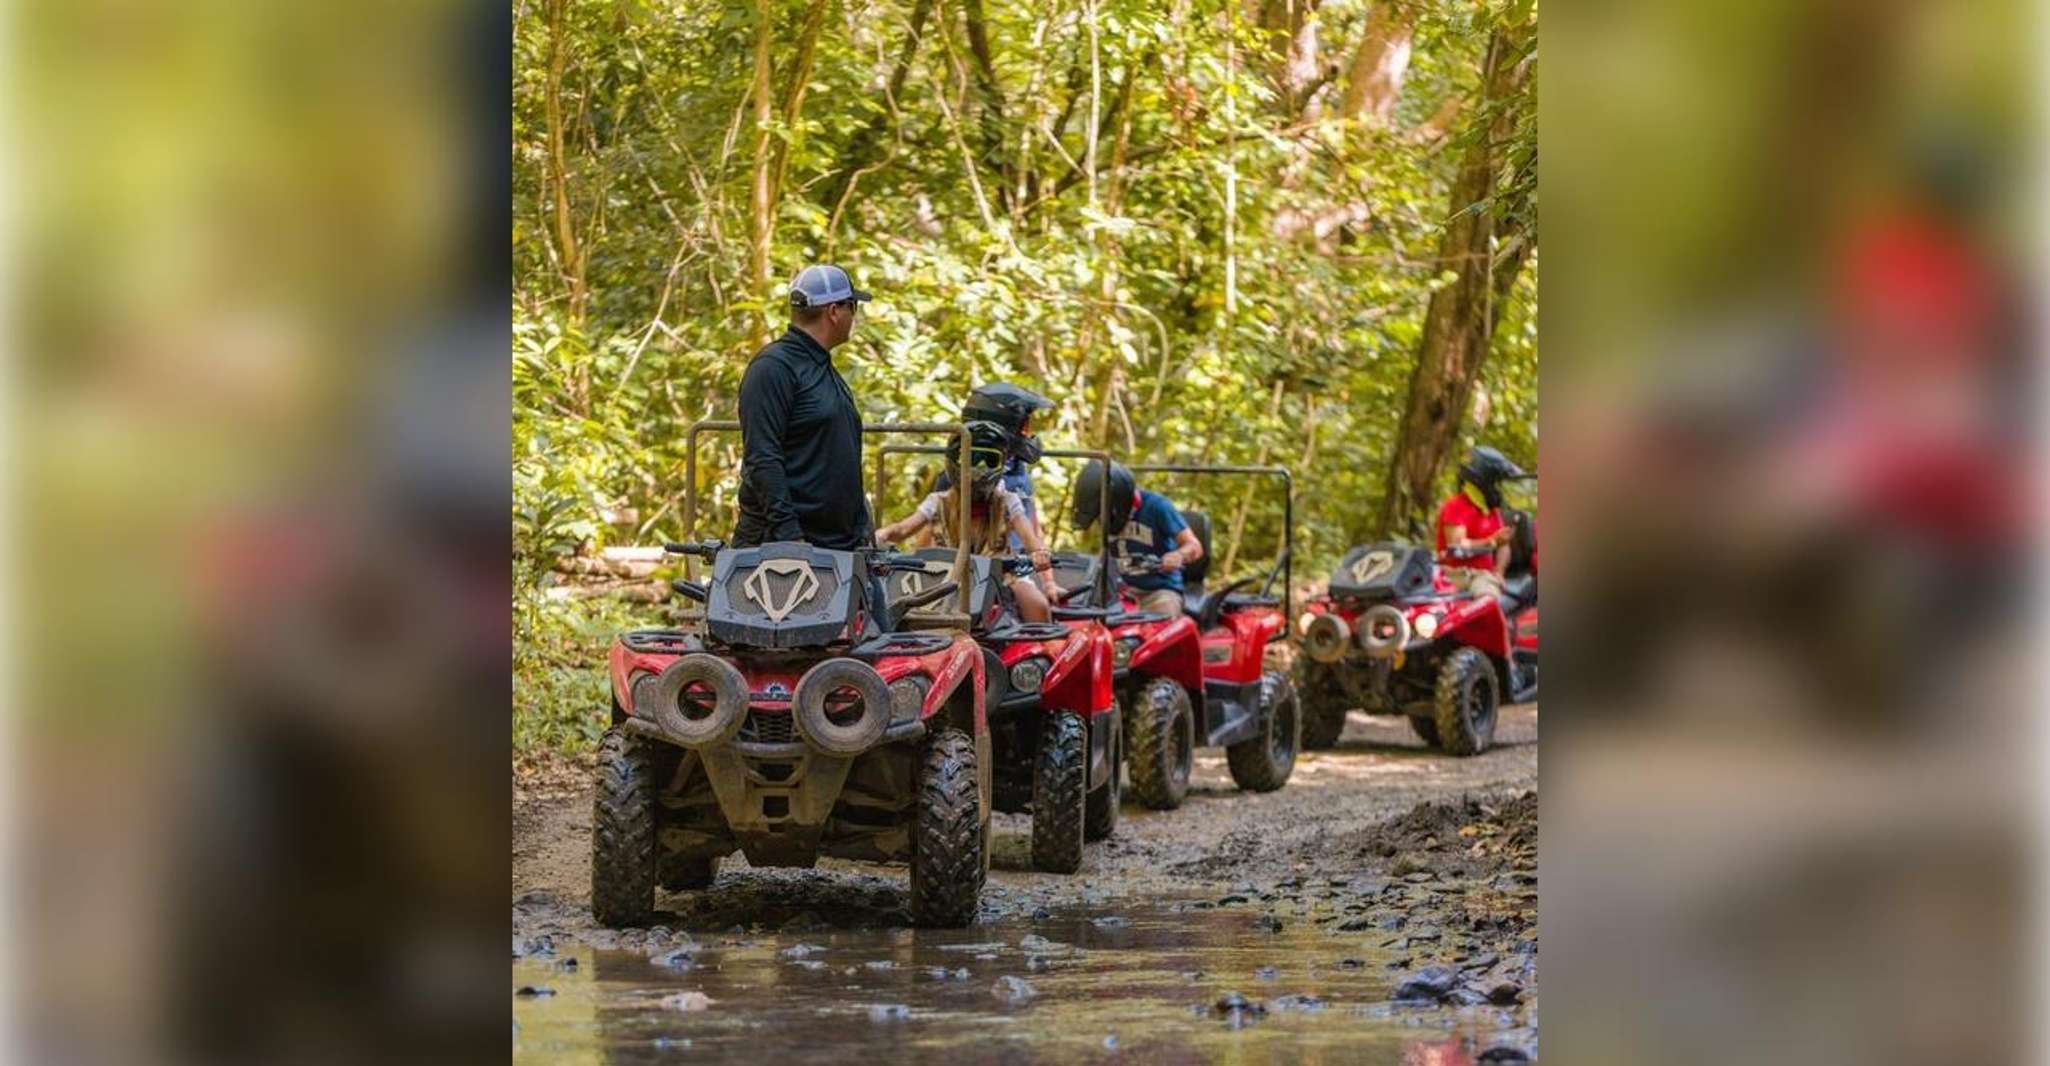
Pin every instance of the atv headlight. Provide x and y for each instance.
(907, 697)
(1426, 625)
(1121, 652)
(1026, 676)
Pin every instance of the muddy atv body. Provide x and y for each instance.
(800, 722)
(1052, 714)
(1393, 636)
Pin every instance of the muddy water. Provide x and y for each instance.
(1138, 986)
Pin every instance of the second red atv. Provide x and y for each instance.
(1393, 636)
(1053, 720)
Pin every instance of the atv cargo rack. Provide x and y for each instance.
(954, 429)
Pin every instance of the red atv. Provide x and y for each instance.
(1053, 720)
(1200, 680)
(1392, 636)
(802, 722)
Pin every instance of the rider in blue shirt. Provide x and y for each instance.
(1142, 523)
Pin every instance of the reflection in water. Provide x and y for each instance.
(1138, 991)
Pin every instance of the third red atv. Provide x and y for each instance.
(1392, 636)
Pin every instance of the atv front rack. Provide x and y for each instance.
(662, 641)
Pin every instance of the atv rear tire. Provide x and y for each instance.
(1163, 744)
(1059, 786)
(1324, 705)
(1101, 819)
(1263, 763)
(623, 832)
(1426, 730)
(1466, 703)
(949, 846)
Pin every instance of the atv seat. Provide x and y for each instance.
(1517, 593)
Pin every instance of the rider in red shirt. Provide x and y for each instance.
(1472, 538)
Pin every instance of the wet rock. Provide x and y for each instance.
(1035, 942)
(683, 958)
(1430, 984)
(1391, 921)
(1265, 973)
(1041, 914)
(1234, 898)
(1406, 865)
(1354, 925)
(1425, 933)
(1481, 962)
(810, 964)
(798, 951)
(1417, 877)
(535, 899)
(941, 973)
(880, 964)
(534, 991)
(568, 965)
(1268, 922)
(1350, 964)
(1111, 922)
(889, 1012)
(1038, 963)
(1503, 1053)
(1237, 1011)
(687, 1001)
(1013, 989)
(536, 945)
(1110, 1043)
(1298, 1001)
(1505, 993)
(1465, 997)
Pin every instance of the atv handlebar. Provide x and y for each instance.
(704, 549)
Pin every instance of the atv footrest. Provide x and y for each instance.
(903, 644)
(1026, 631)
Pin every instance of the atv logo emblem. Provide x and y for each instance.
(801, 590)
(1372, 565)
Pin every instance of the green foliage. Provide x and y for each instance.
(1116, 306)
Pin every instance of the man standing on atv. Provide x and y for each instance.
(1139, 522)
(996, 514)
(800, 431)
(1472, 537)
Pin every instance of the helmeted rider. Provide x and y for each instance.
(1139, 521)
(996, 516)
(1473, 538)
(1012, 407)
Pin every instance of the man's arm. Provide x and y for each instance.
(1187, 549)
(765, 398)
(1035, 548)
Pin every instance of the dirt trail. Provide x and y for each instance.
(1317, 826)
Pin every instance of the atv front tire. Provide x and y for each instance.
(1101, 819)
(1059, 785)
(1324, 704)
(1263, 763)
(623, 832)
(1163, 744)
(948, 842)
(1466, 702)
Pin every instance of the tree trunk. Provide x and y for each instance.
(1374, 81)
(866, 145)
(793, 93)
(990, 124)
(1459, 324)
(558, 165)
(762, 225)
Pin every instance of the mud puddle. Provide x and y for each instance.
(1174, 982)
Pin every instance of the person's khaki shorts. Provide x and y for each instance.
(1474, 580)
(1161, 601)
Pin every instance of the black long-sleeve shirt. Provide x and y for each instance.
(800, 433)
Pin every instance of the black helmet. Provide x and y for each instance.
(1486, 469)
(1008, 406)
(1089, 490)
(989, 446)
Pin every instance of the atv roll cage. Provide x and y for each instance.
(1287, 559)
(954, 429)
(882, 482)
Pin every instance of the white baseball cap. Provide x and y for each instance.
(822, 284)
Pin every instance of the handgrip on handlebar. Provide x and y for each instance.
(702, 549)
